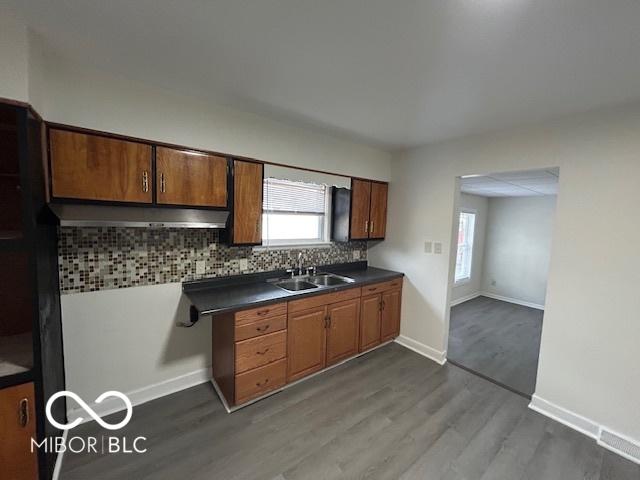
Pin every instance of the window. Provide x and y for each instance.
(465, 246)
(294, 213)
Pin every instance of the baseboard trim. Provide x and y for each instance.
(144, 394)
(466, 298)
(424, 350)
(512, 300)
(566, 417)
(58, 466)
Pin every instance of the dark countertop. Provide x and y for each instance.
(221, 295)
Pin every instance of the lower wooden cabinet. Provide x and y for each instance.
(390, 315)
(380, 318)
(306, 342)
(342, 330)
(259, 350)
(370, 322)
(18, 426)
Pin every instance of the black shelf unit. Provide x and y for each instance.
(29, 270)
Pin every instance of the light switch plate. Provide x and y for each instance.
(356, 254)
(428, 246)
(244, 264)
(200, 267)
(437, 248)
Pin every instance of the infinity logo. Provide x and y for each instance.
(89, 410)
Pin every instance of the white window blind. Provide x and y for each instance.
(293, 197)
(464, 256)
(294, 212)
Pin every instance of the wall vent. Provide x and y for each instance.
(620, 445)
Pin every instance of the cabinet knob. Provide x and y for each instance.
(366, 226)
(162, 183)
(371, 226)
(23, 413)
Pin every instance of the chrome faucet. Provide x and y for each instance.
(300, 263)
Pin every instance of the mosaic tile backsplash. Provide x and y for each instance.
(102, 258)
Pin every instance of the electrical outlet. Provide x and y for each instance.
(244, 264)
(428, 246)
(437, 248)
(200, 267)
(356, 254)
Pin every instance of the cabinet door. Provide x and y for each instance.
(247, 203)
(188, 178)
(306, 342)
(360, 201)
(343, 330)
(390, 315)
(369, 322)
(17, 424)
(91, 167)
(378, 216)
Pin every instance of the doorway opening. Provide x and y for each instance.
(502, 252)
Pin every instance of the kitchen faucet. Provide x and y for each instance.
(300, 263)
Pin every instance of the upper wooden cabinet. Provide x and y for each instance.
(360, 208)
(359, 213)
(190, 178)
(378, 211)
(246, 225)
(92, 167)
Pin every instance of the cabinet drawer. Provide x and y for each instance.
(259, 351)
(249, 316)
(319, 300)
(261, 380)
(382, 286)
(261, 327)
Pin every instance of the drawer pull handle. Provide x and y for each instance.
(24, 412)
(263, 329)
(263, 352)
(145, 181)
(263, 312)
(261, 384)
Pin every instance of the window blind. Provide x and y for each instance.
(285, 196)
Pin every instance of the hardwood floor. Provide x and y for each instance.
(497, 339)
(387, 415)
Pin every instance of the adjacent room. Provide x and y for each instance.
(302, 239)
(502, 261)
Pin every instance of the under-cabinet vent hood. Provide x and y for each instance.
(73, 215)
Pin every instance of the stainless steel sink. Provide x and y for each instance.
(295, 285)
(329, 279)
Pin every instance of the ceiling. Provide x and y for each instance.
(395, 73)
(530, 183)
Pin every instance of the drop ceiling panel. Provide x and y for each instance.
(513, 184)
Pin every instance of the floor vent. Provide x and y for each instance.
(620, 445)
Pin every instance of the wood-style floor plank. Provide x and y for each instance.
(497, 339)
(389, 414)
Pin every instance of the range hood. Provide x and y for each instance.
(73, 215)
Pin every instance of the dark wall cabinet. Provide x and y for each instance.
(31, 361)
(360, 213)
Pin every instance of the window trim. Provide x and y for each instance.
(466, 280)
(301, 243)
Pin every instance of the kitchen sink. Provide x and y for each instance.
(295, 285)
(328, 280)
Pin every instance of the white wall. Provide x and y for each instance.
(589, 352)
(479, 205)
(518, 247)
(128, 339)
(14, 57)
